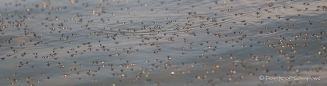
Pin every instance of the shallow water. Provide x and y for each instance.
(162, 42)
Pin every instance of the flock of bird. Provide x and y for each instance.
(162, 42)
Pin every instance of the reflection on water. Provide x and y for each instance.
(161, 42)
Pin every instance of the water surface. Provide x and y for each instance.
(162, 42)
